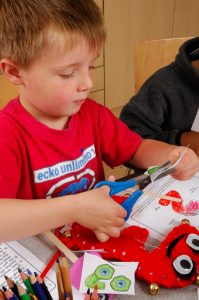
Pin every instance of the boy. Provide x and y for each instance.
(52, 138)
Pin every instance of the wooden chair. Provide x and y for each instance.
(150, 56)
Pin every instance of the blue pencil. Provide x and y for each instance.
(67, 296)
(36, 287)
(44, 287)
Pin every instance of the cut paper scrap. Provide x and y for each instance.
(110, 277)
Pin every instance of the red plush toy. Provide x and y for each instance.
(175, 263)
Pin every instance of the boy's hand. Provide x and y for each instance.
(96, 210)
(188, 165)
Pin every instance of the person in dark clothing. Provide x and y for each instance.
(166, 105)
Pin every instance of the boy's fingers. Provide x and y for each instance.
(105, 188)
(122, 213)
(113, 232)
(101, 236)
(120, 222)
(111, 178)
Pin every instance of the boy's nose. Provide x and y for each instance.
(86, 83)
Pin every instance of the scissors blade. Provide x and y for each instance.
(159, 173)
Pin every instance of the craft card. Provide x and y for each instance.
(159, 216)
(110, 277)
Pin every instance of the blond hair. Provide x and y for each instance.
(27, 26)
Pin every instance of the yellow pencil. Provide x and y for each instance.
(60, 285)
(65, 271)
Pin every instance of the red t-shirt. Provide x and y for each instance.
(40, 162)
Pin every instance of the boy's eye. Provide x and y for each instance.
(72, 73)
(67, 75)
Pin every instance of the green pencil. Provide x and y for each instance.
(22, 292)
(26, 281)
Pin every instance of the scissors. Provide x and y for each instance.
(144, 181)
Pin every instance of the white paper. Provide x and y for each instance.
(158, 219)
(195, 125)
(13, 256)
(121, 274)
(77, 295)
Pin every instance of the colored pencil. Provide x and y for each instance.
(38, 291)
(50, 264)
(9, 294)
(65, 271)
(60, 285)
(67, 296)
(94, 295)
(32, 297)
(2, 295)
(26, 281)
(88, 295)
(12, 285)
(22, 292)
(44, 287)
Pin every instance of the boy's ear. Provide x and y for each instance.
(11, 71)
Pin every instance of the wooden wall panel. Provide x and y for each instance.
(98, 96)
(128, 21)
(186, 18)
(98, 79)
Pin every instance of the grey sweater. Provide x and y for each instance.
(167, 103)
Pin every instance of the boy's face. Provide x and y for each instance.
(56, 85)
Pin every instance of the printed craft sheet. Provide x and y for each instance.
(159, 219)
(13, 256)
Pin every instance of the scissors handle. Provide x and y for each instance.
(117, 186)
(130, 201)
